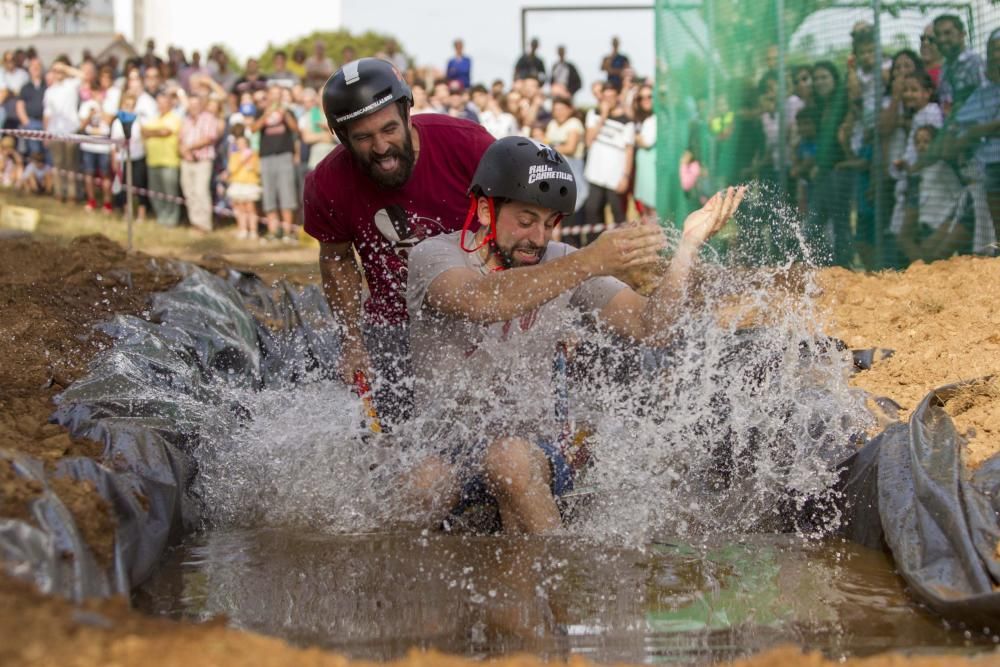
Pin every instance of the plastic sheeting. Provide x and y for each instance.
(151, 399)
(154, 395)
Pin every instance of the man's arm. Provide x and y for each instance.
(647, 319)
(342, 287)
(502, 295)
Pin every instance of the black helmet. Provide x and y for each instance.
(362, 87)
(526, 170)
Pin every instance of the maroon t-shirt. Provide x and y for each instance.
(341, 204)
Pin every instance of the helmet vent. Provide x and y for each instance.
(563, 191)
(544, 186)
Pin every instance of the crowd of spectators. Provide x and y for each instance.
(934, 116)
(213, 140)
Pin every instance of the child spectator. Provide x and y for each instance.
(804, 160)
(137, 152)
(11, 163)
(937, 223)
(37, 176)
(96, 158)
(918, 91)
(243, 171)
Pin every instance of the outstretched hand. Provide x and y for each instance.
(704, 223)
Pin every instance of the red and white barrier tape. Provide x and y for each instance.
(42, 135)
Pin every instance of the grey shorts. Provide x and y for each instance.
(277, 175)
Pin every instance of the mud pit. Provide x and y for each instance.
(941, 320)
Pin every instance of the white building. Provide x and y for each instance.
(23, 23)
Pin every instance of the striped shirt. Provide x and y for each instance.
(197, 130)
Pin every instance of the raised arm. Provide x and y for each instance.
(502, 295)
(648, 319)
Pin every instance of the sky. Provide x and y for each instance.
(426, 29)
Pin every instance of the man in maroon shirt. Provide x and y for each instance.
(395, 180)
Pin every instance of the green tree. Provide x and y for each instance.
(365, 44)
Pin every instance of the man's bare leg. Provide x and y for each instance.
(433, 489)
(518, 474)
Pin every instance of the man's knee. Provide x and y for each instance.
(432, 485)
(514, 465)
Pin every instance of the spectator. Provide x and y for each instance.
(918, 96)
(894, 125)
(145, 104)
(962, 70)
(36, 178)
(645, 154)
(137, 152)
(11, 163)
(421, 104)
(516, 107)
(30, 106)
(564, 73)
(829, 219)
(348, 54)
(12, 79)
(460, 66)
(96, 157)
(252, 79)
(278, 129)
(497, 122)
(610, 138)
(804, 157)
(566, 134)
(614, 64)
(497, 88)
(392, 53)
(149, 59)
(934, 226)
(191, 70)
(199, 133)
(163, 161)
(297, 65)
(87, 74)
(529, 64)
(243, 171)
(316, 134)
(801, 96)
(61, 102)
(930, 54)
(978, 126)
(458, 103)
(280, 74)
(222, 73)
(440, 95)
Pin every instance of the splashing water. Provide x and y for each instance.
(736, 427)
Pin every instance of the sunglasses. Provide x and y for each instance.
(645, 97)
(927, 38)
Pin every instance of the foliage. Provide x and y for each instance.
(365, 44)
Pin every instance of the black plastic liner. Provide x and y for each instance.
(154, 395)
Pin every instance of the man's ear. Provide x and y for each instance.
(483, 211)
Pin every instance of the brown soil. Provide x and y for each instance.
(943, 322)
(54, 293)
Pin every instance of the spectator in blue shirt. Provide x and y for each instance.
(460, 67)
(614, 64)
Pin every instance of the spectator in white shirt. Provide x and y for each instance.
(610, 139)
(60, 116)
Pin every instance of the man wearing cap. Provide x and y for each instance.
(395, 179)
(488, 309)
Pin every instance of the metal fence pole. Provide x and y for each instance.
(879, 261)
(782, 96)
(128, 191)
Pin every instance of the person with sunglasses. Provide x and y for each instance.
(930, 54)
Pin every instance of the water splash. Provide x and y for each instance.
(736, 427)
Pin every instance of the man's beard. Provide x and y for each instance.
(405, 157)
(509, 259)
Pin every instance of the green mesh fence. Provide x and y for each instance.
(877, 123)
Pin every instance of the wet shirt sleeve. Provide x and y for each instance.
(429, 260)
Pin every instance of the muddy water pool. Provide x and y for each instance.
(375, 596)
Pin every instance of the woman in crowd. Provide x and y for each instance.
(829, 218)
(315, 133)
(645, 153)
(922, 110)
(163, 160)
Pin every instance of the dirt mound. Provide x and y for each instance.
(54, 294)
(943, 322)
